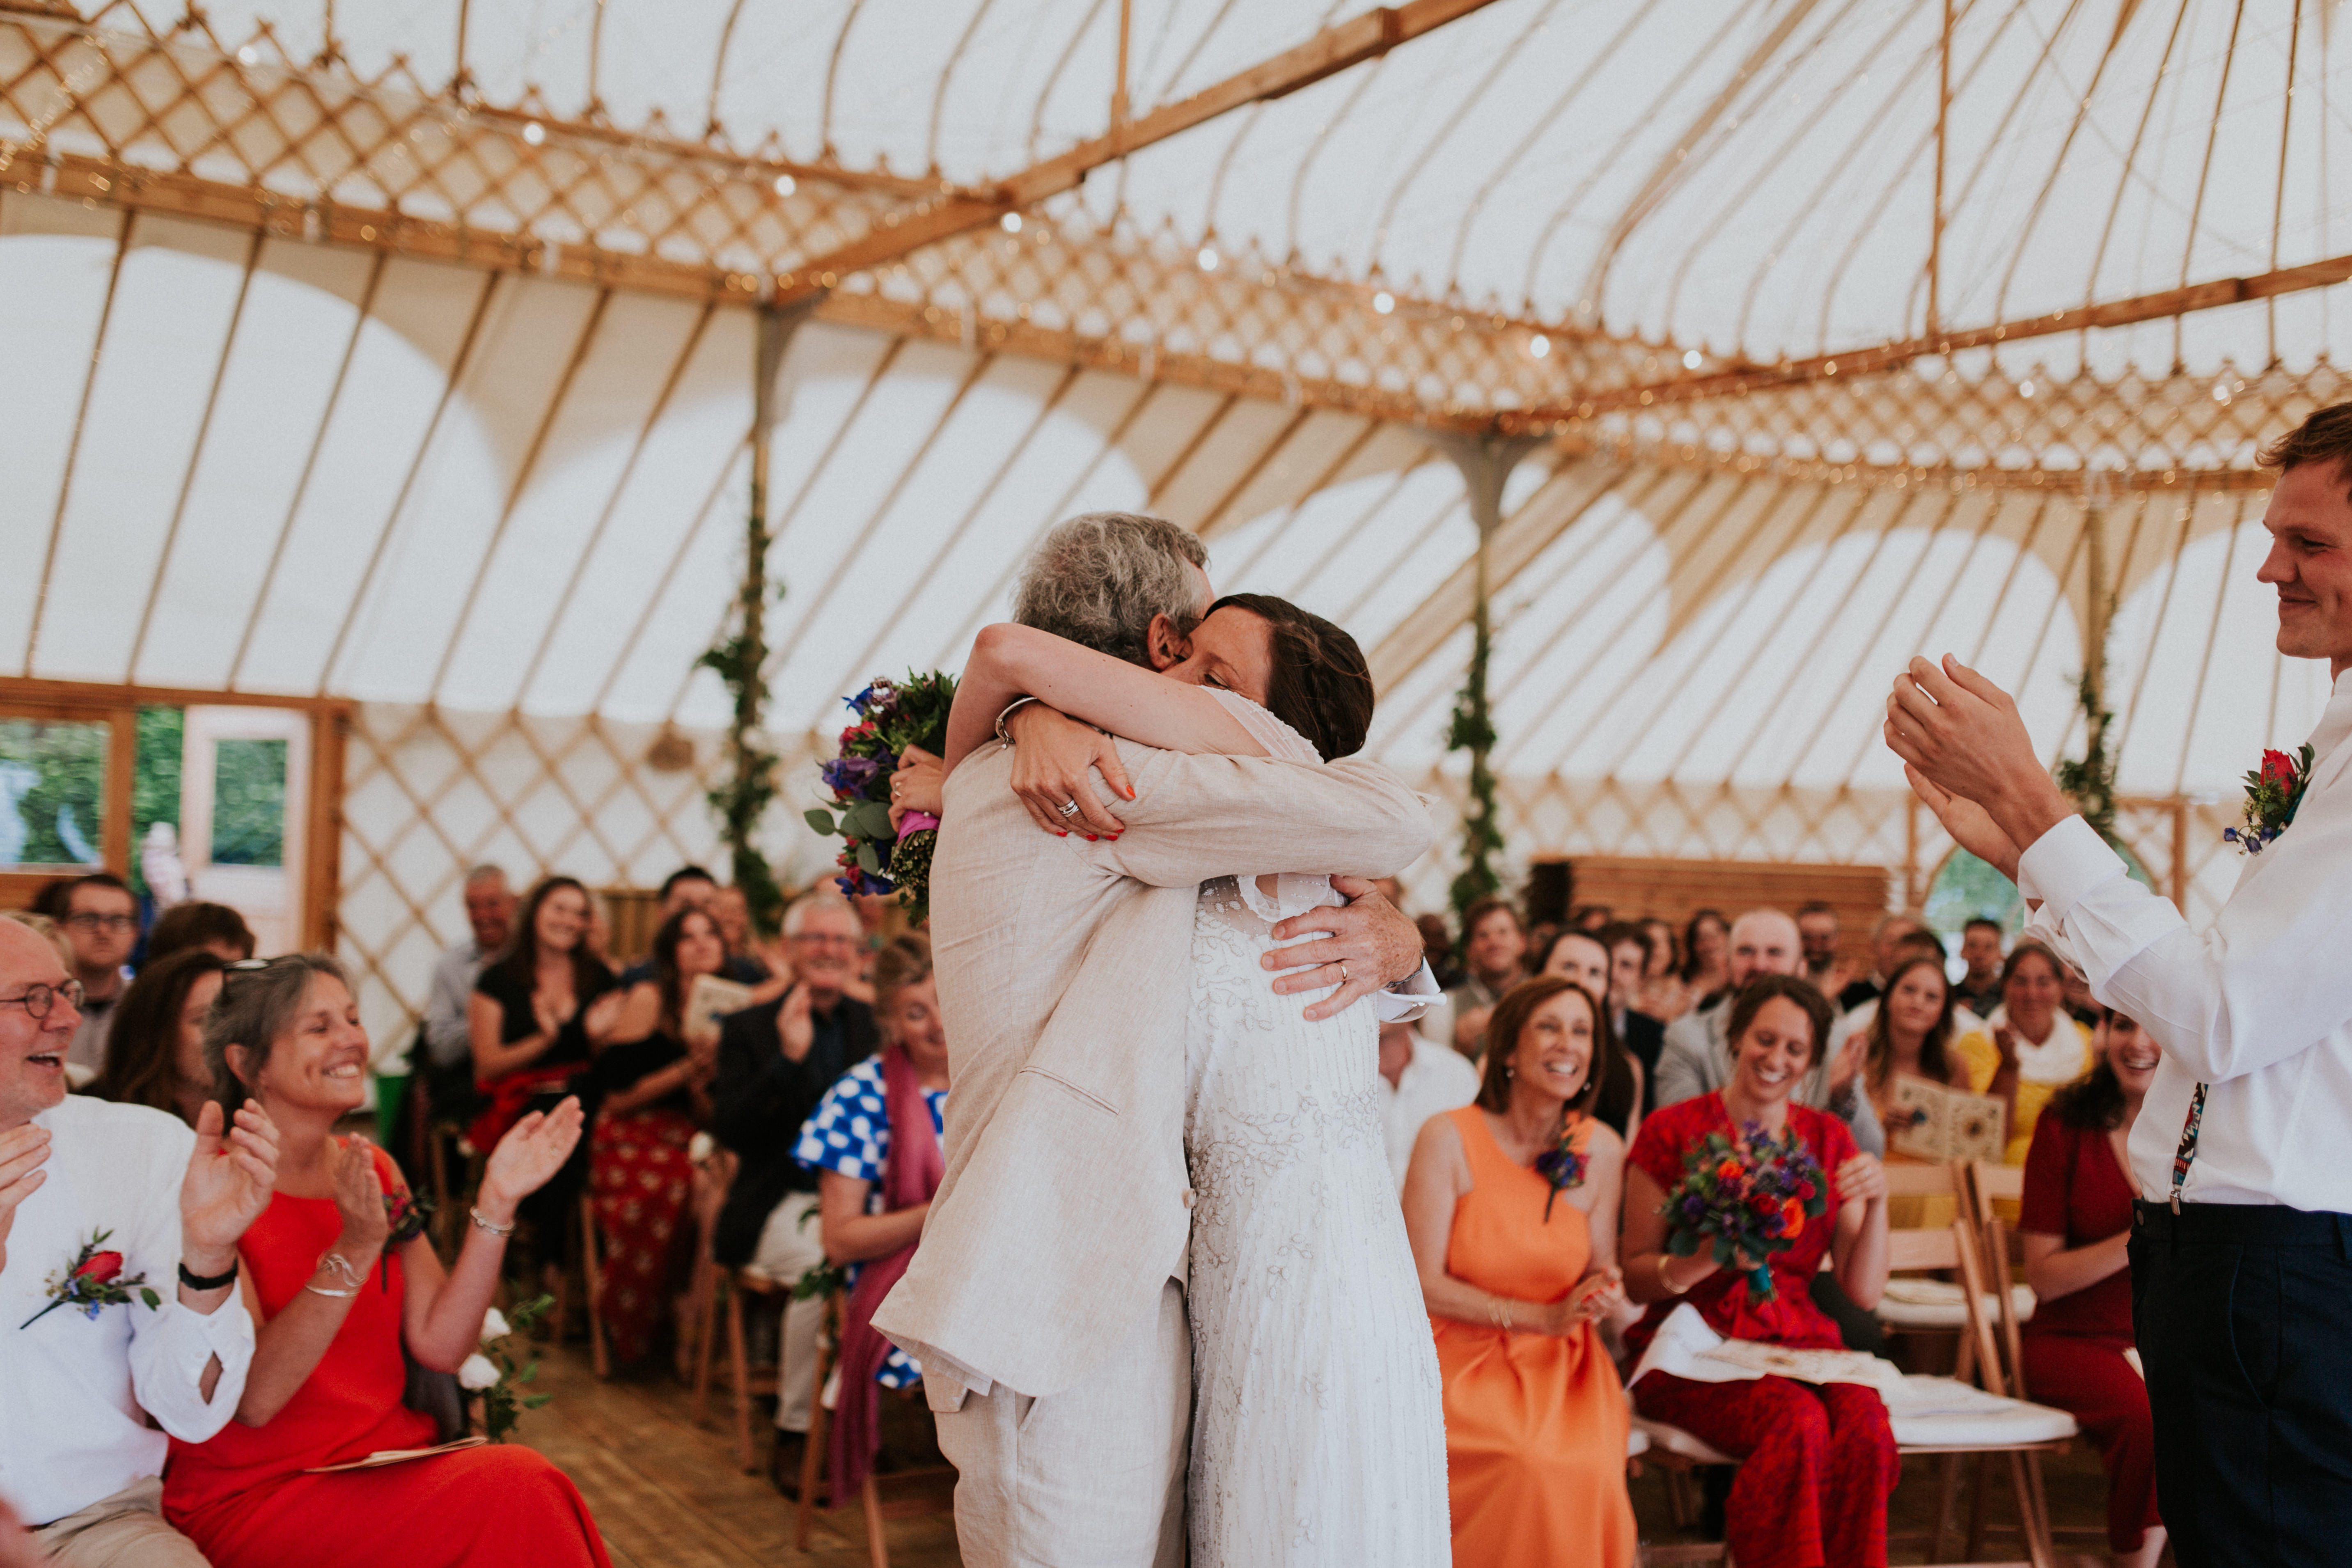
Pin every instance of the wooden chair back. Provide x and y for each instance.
(815, 1462)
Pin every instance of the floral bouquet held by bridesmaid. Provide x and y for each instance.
(894, 718)
(1745, 1199)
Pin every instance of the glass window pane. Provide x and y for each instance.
(52, 792)
(249, 803)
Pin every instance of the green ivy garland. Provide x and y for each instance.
(739, 660)
(1473, 729)
(2091, 782)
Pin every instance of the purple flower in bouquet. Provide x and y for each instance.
(1743, 1199)
(850, 777)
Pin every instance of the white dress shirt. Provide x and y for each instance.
(2258, 1006)
(76, 1392)
(1436, 1080)
(448, 1038)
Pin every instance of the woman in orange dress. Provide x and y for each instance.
(1517, 1248)
(338, 1295)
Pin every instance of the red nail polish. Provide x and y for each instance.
(1093, 838)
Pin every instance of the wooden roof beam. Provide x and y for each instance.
(1332, 50)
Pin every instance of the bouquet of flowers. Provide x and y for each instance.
(892, 715)
(95, 1282)
(1746, 1197)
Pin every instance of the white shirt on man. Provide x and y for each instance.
(2258, 1006)
(75, 1391)
(447, 1039)
(1436, 1080)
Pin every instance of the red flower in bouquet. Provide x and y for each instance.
(1792, 1216)
(99, 1267)
(1744, 1199)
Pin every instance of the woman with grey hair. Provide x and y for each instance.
(346, 1292)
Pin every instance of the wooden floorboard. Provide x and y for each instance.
(667, 1494)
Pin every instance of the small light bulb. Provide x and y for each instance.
(2024, 389)
(1540, 346)
(1693, 358)
(786, 185)
(247, 55)
(2220, 391)
(534, 133)
(1383, 302)
(1208, 259)
(1010, 223)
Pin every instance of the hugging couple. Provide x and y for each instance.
(1164, 1297)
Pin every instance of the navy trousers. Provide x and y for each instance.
(2243, 1316)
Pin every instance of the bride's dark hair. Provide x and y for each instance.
(1320, 685)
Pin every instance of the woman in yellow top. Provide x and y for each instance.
(2029, 1048)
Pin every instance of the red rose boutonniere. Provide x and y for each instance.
(2273, 793)
(95, 1281)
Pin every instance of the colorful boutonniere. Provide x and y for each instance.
(2273, 793)
(1563, 1165)
(95, 1281)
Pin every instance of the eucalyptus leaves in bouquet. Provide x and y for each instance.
(892, 715)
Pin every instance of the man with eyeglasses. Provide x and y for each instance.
(121, 1325)
(775, 1062)
(102, 921)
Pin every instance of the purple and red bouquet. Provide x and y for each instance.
(892, 715)
(1746, 1197)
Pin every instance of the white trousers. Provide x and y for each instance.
(790, 1245)
(1089, 1478)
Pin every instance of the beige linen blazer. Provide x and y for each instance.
(1065, 972)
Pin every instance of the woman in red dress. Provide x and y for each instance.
(337, 1303)
(1819, 1458)
(653, 1086)
(2077, 1219)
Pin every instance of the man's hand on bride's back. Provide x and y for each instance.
(1052, 756)
(1371, 944)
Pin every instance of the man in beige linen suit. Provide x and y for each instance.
(1046, 1304)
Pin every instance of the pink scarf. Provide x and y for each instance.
(910, 1174)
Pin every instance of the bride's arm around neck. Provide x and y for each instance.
(1010, 661)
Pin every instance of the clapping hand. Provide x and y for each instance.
(1862, 1177)
(549, 1018)
(228, 1184)
(795, 1030)
(1847, 1063)
(23, 1150)
(1595, 1296)
(533, 1149)
(359, 1198)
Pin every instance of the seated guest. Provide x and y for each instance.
(446, 1029)
(1583, 957)
(1517, 1273)
(2029, 1046)
(2077, 1220)
(652, 1082)
(1979, 988)
(1494, 951)
(1910, 1037)
(1641, 1035)
(1437, 950)
(1418, 1080)
(96, 1390)
(344, 1303)
(1818, 1458)
(217, 929)
(1706, 957)
(102, 923)
(873, 1143)
(1884, 940)
(531, 1018)
(1917, 942)
(1664, 997)
(155, 1055)
(775, 1062)
(692, 888)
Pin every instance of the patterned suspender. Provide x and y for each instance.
(2187, 1153)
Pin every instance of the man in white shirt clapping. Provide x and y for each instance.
(84, 1364)
(2241, 1240)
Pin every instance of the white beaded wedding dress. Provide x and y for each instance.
(1319, 1434)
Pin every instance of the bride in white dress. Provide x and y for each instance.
(1319, 1434)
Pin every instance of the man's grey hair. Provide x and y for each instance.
(813, 901)
(1100, 579)
(486, 873)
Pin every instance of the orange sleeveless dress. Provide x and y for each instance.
(1535, 1424)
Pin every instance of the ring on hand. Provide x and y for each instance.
(1068, 808)
(1343, 972)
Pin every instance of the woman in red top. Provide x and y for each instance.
(1819, 1458)
(337, 1303)
(2077, 1220)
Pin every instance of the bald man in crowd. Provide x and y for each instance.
(1696, 1056)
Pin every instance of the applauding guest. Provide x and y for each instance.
(155, 1055)
(653, 1083)
(343, 1282)
(101, 1207)
(1820, 1458)
(873, 1143)
(1494, 950)
(2076, 1229)
(1517, 1268)
(1910, 1037)
(2030, 1046)
(775, 1062)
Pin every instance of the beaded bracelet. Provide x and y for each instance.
(494, 1229)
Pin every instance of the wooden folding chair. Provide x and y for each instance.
(1921, 1196)
(871, 1504)
(592, 1265)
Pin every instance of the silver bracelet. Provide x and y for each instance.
(499, 1230)
(342, 1267)
(1010, 709)
(322, 1291)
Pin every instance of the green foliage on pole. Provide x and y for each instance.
(1473, 729)
(739, 660)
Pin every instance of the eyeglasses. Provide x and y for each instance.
(825, 939)
(86, 921)
(39, 999)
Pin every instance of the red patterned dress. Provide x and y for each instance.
(244, 1499)
(1819, 1459)
(640, 1177)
